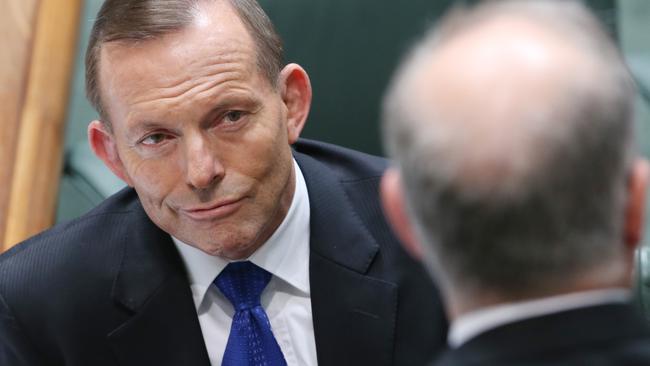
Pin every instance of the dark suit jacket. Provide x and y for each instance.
(605, 335)
(109, 288)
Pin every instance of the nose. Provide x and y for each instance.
(202, 165)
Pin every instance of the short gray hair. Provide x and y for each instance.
(523, 234)
(140, 20)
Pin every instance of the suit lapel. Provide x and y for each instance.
(151, 284)
(353, 313)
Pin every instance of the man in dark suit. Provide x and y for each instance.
(516, 180)
(230, 246)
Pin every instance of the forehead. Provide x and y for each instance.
(216, 42)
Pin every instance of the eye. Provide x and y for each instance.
(233, 116)
(154, 139)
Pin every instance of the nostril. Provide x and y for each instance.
(203, 166)
(202, 179)
(205, 176)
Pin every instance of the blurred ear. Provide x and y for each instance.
(103, 145)
(296, 94)
(392, 199)
(635, 206)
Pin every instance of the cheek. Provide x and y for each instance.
(271, 145)
(271, 158)
(153, 179)
(261, 152)
(274, 167)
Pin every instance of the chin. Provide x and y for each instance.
(237, 252)
(229, 249)
(215, 251)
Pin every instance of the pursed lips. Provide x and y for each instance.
(214, 211)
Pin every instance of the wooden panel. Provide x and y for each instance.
(17, 20)
(39, 152)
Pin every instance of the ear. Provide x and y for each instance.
(104, 146)
(635, 206)
(392, 199)
(296, 94)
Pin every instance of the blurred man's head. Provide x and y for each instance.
(197, 114)
(511, 128)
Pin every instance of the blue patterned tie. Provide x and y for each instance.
(251, 341)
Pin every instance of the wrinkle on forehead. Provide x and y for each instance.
(140, 83)
(197, 78)
(199, 61)
(215, 49)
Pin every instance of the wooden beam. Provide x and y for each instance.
(17, 23)
(39, 156)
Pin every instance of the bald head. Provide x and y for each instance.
(511, 125)
(500, 91)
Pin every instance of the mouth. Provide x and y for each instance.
(213, 211)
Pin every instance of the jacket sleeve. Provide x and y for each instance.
(15, 348)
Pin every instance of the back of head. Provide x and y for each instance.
(511, 124)
(133, 21)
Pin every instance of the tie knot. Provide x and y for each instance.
(242, 283)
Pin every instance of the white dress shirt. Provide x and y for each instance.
(474, 323)
(286, 299)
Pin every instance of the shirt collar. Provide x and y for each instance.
(285, 254)
(474, 323)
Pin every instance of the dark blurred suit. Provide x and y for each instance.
(612, 335)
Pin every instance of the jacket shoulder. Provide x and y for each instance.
(348, 164)
(71, 246)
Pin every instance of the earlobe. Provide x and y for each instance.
(635, 207)
(102, 142)
(392, 199)
(296, 95)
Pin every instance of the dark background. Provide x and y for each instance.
(350, 49)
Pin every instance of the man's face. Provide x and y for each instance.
(200, 134)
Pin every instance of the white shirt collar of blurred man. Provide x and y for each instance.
(480, 321)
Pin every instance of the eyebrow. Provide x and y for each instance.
(227, 103)
(139, 127)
